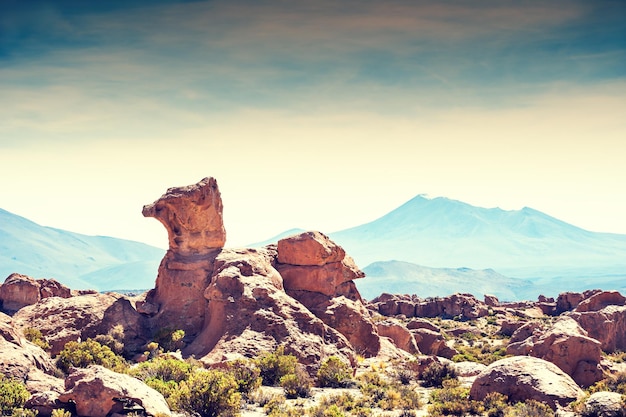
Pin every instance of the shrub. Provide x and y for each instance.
(530, 408)
(453, 399)
(23, 412)
(247, 375)
(89, 352)
(296, 385)
(275, 365)
(169, 339)
(164, 368)
(208, 393)
(13, 394)
(34, 336)
(495, 404)
(58, 412)
(334, 373)
(436, 373)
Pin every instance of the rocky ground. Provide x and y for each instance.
(290, 314)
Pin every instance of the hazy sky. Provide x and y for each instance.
(312, 114)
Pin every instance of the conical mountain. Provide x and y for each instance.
(441, 232)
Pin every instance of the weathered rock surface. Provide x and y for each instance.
(22, 360)
(248, 312)
(568, 301)
(523, 378)
(464, 306)
(61, 320)
(98, 391)
(600, 300)
(309, 249)
(432, 342)
(605, 404)
(566, 345)
(608, 326)
(21, 290)
(400, 335)
(192, 216)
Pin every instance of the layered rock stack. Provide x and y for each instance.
(237, 302)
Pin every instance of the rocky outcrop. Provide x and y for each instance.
(608, 326)
(237, 302)
(432, 342)
(248, 312)
(566, 345)
(463, 306)
(98, 392)
(568, 301)
(523, 378)
(21, 290)
(23, 361)
(317, 273)
(61, 320)
(600, 300)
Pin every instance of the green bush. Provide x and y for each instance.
(170, 340)
(164, 368)
(208, 393)
(453, 399)
(89, 352)
(58, 412)
(334, 373)
(247, 375)
(436, 373)
(34, 336)
(13, 394)
(530, 408)
(23, 412)
(296, 385)
(275, 365)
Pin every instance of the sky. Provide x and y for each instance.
(311, 114)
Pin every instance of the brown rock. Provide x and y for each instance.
(419, 323)
(97, 392)
(21, 290)
(249, 312)
(61, 320)
(566, 345)
(309, 248)
(21, 360)
(433, 343)
(600, 300)
(400, 335)
(608, 326)
(491, 300)
(465, 306)
(523, 378)
(192, 216)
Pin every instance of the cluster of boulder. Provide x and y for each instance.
(299, 294)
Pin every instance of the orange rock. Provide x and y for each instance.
(309, 248)
(192, 216)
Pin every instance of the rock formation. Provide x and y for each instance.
(237, 302)
(463, 306)
(524, 378)
(61, 320)
(605, 404)
(98, 392)
(20, 290)
(608, 326)
(566, 345)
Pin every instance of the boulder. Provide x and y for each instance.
(600, 300)
(568, 301)
(566, 345)
(22, 360)
(309, 249)
(324, 270)
(608, 326)
(432, 342)
(523, 378)
(419, 323)
(98, 392)
(399, 334)
(605, 404)
(21, 290)
(61, 320)
(491, 300)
